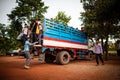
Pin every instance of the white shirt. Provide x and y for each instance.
(25, 30)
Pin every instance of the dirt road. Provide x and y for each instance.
(11, 68)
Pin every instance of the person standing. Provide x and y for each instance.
(33, 27)
(98, 52)
(25, 32)
(40, 32)
(27, 52)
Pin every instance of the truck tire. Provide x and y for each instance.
(49, 58)
(63, 58)
(91, 55)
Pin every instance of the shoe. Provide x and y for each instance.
(26, 67)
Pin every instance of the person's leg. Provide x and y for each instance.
(41, 58)
(40, 38)
(31, 36)
(97, 59)
(24, 38)
(32, 50)
(119, 52)
(28, 58)
(101, 59)
(34, 37)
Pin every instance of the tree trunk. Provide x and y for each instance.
(102, 43)
(106, 54)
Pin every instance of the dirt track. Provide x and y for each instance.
(11, 68)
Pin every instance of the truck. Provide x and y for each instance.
(61, 43)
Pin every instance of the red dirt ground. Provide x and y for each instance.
(11, 68)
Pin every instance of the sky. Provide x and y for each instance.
(6, 6)
(70, 7)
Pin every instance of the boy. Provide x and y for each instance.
(98, 51)
(27, 52)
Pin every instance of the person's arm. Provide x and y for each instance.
(94, 48)
(101, 50)
(42, 27)
(29, 43)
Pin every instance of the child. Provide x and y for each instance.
(40, 32)
(27, 52)
(25, 32)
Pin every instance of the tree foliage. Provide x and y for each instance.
(101, 18)
(25, 11)
(30, 9)
(4, 39)
(108, 14)
(62, 18)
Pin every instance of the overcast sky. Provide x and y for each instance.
(5, 8)
(70, 7)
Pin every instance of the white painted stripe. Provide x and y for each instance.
(63, 44)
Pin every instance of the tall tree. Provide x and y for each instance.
(105, 14)
(89, 19)
(62, 18)
(25, 11)
(4, 39)
(30, 9)
(108, 14)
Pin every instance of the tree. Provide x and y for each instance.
(4, 39)
(101, 16)
(25, 11)
(108, 13)
(2, 30)
(89, 19)
(28, 9)
(62, 18)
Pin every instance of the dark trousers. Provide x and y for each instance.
(99, 56)
(118, 52)
(33, 37)
(40, 37)
(24, 38)
(28, 58)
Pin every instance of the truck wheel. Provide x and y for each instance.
(49, 58)
(91, 55)
(63, 57)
